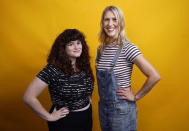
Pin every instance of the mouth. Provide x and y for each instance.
(110, 29)
(77, 51)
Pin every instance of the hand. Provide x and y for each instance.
(126, 94)
(58, 114)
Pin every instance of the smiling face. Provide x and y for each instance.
(110, 24)
(74, 49)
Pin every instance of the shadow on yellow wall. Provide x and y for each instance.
(159, 28)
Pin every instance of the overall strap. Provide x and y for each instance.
(116, 56)
(98, 55)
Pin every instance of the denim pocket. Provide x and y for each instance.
(122, 108)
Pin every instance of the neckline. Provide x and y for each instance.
(78, 74)
(108, 45)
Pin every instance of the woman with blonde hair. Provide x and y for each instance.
(114, 62)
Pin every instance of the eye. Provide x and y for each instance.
(70, 44)
(114, 19)
(106, 19)
(79, 42)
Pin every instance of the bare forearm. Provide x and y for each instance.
(37, 108)
(148, 85)
(152, 76)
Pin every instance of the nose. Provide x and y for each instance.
(110, 22)
(76, 46)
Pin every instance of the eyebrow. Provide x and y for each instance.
(71, 41)
(110, 18)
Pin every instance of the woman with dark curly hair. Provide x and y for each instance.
(70, 81)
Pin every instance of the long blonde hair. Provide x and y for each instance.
(121, 23)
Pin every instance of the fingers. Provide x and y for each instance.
(63, 109)
(124, 89)
(58, 114)
(125, 93)
(62, 112)
(121, 93)
(124, 97)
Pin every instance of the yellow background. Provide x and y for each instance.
(158, 27)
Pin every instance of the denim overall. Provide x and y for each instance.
(114, 114)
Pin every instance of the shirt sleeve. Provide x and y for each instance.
(131, 52)
(45, 74)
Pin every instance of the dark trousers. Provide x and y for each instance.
(74, 121)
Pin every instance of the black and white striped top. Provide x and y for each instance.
(67, 91)
(124, 65)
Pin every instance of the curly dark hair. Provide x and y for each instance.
(60, 59)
